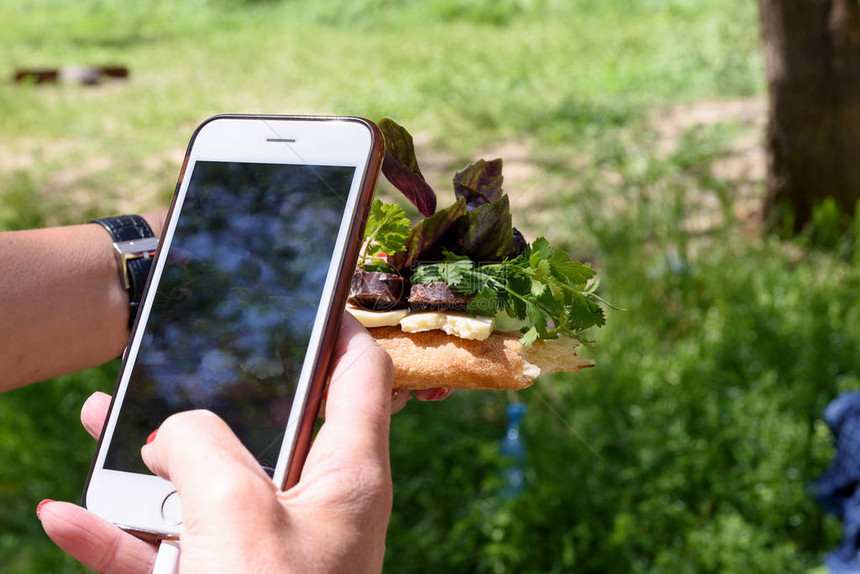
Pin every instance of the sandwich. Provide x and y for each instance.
(459, 298)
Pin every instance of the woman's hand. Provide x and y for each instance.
(333, 520)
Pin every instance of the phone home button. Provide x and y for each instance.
(171, 509)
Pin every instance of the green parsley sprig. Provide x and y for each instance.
(385, 233)
(553, 294)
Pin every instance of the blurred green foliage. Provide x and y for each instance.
(690, 445)
(44, 453)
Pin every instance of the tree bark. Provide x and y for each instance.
(812, 60)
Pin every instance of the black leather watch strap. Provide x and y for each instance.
(138, 273)
(125, 227)
(133, 264)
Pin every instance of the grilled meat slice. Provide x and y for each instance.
(436, 296)
(377, 291)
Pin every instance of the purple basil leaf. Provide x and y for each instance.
(400, 167)
(520, 242)
(430, 236)
(479, 183)
(486, 233)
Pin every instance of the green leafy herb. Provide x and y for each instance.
(450, 272)
(541, 286)
(485, 301)
(529, 337)
(386, 231)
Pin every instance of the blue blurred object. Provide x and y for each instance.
(513, 449)
(836, 490)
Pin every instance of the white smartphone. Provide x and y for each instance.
(244, 301)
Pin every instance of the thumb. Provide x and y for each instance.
(214, 474)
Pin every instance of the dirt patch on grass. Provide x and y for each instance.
(671, 124)
(722, 187)
(531, 190)
(524, 180)
(439, 164)
(540, 187)
(77, 178)
(740, 167)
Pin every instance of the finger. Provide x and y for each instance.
(212, 471)
(348, 471)
(358, 405)
(399, 398)
(94, 413)
(351, 447)
(93, 541)
(350, 347)
(437, 394)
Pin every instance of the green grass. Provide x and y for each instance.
(689, 447)
(560, 72)
(44, 453)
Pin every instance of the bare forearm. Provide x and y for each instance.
(62, 307)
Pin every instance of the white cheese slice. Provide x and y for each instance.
(465, 326)
(460, 325)
(371, 319)
(424, 321)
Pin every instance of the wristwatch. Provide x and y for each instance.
(134, 245)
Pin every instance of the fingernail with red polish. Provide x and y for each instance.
(438, 394)
(151, 436)
(42, 505)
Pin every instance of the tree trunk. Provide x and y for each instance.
(812, 59)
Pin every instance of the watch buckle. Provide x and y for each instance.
(133, 249)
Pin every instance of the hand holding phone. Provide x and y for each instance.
(243, 304)
(333, 521)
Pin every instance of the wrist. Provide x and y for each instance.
(134, 244)
(156, 220)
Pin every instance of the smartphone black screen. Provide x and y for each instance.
(235, 304)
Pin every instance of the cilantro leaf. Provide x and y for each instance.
(485, 302)
(573, 272)
(450, 272)
(518, 288)
(548, 290)
(540, 249)
(386, 231)
(537, 318)
(584, 313)
(529, 337)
